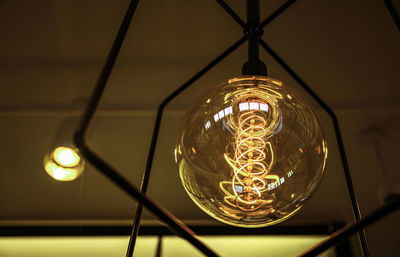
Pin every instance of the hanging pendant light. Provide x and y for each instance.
(250, 150)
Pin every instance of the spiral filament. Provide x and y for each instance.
(252, 161)
(250, 151)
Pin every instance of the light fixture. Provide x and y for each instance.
(63, 163)
(250, 151)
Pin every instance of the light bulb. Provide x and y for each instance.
(250, 151)
(63, 163)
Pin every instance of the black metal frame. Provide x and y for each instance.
(393, 12)
(146, 230)
(252, 34)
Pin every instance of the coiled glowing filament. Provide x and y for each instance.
(250, 163)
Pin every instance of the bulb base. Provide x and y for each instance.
(254, 68)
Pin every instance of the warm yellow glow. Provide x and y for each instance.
(63, 163)
(66, 157)
(58, 172)
(172, 246)
(175, 155)
(259, 78)
(245, 158)
(250, 164)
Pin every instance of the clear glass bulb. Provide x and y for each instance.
(250, 151)
(63, 163)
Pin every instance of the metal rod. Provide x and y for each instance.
(276, 13)
(265, 22)
(346, 168)
(253, 66)
(203, 71)
(107, 68)
(150, 157)
(253, 20)
(113, 175)
(149, 230)
(106, 169)
(393, 12)
(253, 12)
(341, 234)
(159, 246)
(154, 207)
(232, 14)
(253, 30)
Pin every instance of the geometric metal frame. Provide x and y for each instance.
(157, 209)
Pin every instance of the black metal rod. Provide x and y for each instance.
(150, 157)
(253, 20)
(203, 71)
(253, 12)
(253, 29)
(393, 12)
(341, 234)
(346, 168)
(265, 22)
(106, 169)
(253, 66)
(107, 68)
(124, 230)
(159, 246)
(276, 13)
(229, 10)
(122, 182)
(154, 207)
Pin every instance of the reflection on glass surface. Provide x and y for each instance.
(250, 152)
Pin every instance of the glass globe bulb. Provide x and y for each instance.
(250, 152)
(63, 163)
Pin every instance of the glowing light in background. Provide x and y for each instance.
(66, 157)
(63, 163)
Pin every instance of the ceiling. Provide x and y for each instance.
(52, 53)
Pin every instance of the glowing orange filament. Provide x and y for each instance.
(249, 163)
